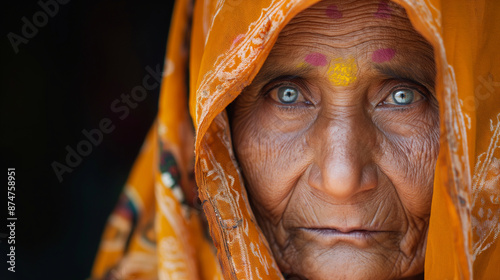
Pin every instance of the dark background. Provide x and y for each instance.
(64, 80)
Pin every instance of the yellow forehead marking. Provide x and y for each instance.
(301, 65)
(342, 71)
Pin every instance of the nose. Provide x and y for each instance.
(344, 149)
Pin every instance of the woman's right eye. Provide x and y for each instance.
(287, 95)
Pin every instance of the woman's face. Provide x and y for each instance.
(337, 138)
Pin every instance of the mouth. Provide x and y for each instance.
(328, 230)
(357, 236)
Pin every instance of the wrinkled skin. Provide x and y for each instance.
(340, 175)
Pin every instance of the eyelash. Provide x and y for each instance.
(288, 108)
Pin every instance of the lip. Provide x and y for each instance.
(356, 236)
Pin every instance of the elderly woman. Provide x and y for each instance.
(318, 151)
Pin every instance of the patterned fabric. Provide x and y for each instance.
(157, 230)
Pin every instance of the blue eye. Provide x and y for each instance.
(287, 94)
(404, 96)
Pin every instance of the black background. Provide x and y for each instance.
(63, 80)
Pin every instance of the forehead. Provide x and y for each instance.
(348, 23)
(377, 34)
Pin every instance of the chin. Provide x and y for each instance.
(343, 261)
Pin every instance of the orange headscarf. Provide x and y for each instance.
(154, 234)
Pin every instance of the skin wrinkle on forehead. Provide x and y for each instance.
(342, 40)
(333, 12)
(336, 32)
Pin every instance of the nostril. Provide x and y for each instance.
(314, 179)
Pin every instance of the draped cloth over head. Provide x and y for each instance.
(219, 47)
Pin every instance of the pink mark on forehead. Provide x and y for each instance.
(383, 55)
(333, 12)
(383, 11)
(316, 59)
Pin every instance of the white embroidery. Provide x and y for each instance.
(173, 260)
(486, 183)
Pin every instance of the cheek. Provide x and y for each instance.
(410, 163)
(271, 161)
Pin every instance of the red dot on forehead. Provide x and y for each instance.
(383, 11)
(383, 55)
(316, 59)
(333, 12)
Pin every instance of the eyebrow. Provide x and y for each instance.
(419, 74)
(272, 71)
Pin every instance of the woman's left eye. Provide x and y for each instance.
(404, 96)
